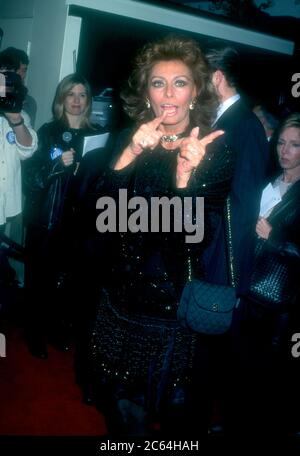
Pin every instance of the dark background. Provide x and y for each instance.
(108, 43)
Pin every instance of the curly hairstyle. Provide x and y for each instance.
(171, 47)
(62, 91)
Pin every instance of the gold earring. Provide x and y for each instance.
(192, 104)
(148, 103)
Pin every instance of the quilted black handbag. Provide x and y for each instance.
(273, 284)
(205, 307)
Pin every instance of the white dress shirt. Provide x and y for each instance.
(11, 154)
(225, 105)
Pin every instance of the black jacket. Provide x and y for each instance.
(146, 270)
(48, 185)
(245, 136)
(285, 222)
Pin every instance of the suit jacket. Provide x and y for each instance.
(244, 134)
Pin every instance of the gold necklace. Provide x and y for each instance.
(172, 138)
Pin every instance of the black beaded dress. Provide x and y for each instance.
(138, 350)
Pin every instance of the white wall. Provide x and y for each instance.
(46, 53)
(17, 31)
(16, 8)
(16, 21)
(41, 23)
(70, 47)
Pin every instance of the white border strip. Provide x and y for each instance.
(70, 46)
(188, 22)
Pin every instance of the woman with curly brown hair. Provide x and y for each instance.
(140, 355)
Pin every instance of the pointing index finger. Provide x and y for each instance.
(211, 137)
(155, 123)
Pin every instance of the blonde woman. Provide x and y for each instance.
(50, 182)
(273, 310)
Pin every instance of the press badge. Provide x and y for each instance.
(11, 137)
(55, 152)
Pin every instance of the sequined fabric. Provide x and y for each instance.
(153, 356)
(137, 340)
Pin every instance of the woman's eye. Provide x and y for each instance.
(157, 83)
(180, 83)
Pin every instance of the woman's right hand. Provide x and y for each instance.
(67, 157)
(263, 228)
(146, 137)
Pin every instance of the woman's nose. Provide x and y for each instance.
(285, 149)
(169, 90)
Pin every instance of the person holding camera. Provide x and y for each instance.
(18, 141)
(20, 61)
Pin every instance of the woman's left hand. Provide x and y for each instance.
(192, 151)
(263, 228)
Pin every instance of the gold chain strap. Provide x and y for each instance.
(229, 243)
(189, 264)
(230, 248)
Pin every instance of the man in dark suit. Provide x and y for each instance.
(221, 359)
(245, 136)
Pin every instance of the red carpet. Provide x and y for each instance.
(40, 397)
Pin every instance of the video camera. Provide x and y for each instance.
(12, 91)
